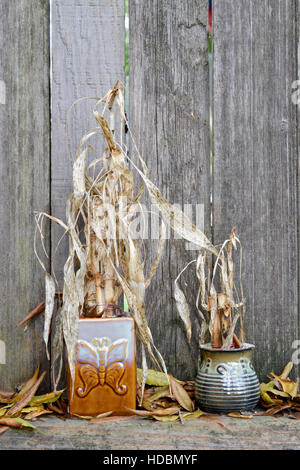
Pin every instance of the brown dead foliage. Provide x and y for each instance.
(280, 395)
(18, 409)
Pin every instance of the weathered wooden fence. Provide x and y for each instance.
(251, 182)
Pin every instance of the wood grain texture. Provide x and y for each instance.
(25, 180)
(256, 153)
(169, 118)
(88, 55)
(259, 433)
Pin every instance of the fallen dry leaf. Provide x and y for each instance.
(25, 399)
(82, 417)
(36, 413)
(104, 415)
(181, 395)
(51, 397)
(280, 393)
(30, 409)
(55, 408)
(3, 411)
(192, 415)
(239, 415)
(28, 385)
(6, 395)
(163, 403)
(3, 429)
(276, 409)
(286, 371)
(162, 412)
(166, 419)
(147, 404)
(16, 423)
(162, 392)
(289, 387)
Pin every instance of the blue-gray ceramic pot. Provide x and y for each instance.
(226, 380)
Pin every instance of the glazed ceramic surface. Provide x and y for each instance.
(226, 380)
(105, 367)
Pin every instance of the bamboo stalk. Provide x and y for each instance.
(99, 299)
(216, 327)
(236, 341)
(216, 333)
(225, 322)
(97, 278)
(109, 282)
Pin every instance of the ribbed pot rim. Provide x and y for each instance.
(208, 347)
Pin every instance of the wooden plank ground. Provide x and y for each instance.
(256, 153)
(169, 119)
(259, 433)
(25, 181)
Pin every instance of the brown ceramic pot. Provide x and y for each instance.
(105, 367)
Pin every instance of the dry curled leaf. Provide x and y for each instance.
(276, 409)
(161, 393)
(55, 408)
(5, 399)
(183, 310)
(82, 417)
(7, 395)
(192, 415)
(16, 423)
(49, 307)
(290, 388)
(28, 385)
(104, 415)
(162, 412)
(25, 398)
(280, 393)
(30, 409)
(239, 415)
(286, 371)
(37, 413)
(51, 397)
(3, 411)
(155, 378)
(3, 429)
(181, 395)
(166, 419)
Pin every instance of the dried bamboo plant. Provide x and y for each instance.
(104, 259)
(223, 308)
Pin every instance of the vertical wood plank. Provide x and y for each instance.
(25, 176)
(169, 118)
(256, 152)
(88, 55)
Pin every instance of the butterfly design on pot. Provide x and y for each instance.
(101, 362)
